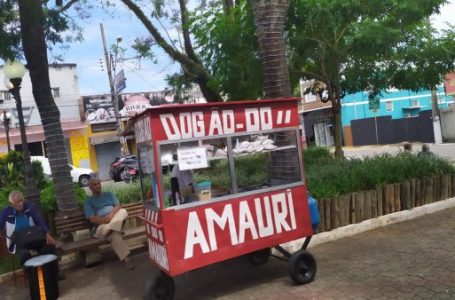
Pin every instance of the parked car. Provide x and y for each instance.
(124, 168)
(79, 175)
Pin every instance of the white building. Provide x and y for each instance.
(65, 89)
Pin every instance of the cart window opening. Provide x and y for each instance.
(199, 171)
(149, 186)
(211, 168)
(267, 160)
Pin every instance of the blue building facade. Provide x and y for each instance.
(395, 103)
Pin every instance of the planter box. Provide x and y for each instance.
(360, 206)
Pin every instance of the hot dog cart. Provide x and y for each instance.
(241, 188)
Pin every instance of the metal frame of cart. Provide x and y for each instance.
(249, 153)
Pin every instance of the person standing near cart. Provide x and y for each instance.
(104, 211)
(181, 184)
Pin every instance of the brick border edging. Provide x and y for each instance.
(367, 225)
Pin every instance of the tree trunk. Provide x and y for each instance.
(336, 109)
(35, 50)
(269, 18)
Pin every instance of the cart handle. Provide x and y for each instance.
(157, 226)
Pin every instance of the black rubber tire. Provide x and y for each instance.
(162, 287)
(114, 176)
(84, 180)
(259, 257)
(302, 267)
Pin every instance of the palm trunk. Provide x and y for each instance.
(269, 18)
(35, 50)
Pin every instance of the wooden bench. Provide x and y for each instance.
(70, 224)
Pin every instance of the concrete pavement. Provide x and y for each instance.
(408, 260)
(446, 150)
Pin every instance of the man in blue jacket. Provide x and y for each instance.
(21, 215)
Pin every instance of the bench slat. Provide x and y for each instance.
(71, 221)
(94, 242)
(77, 222)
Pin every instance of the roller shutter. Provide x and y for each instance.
(105, 155)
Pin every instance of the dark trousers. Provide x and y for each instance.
(175, 193)
(43, 248)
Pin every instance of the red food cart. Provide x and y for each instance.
(222, 180)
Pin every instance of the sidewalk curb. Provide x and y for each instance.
(353, 229)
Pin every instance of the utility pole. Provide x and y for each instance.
(435, 116)
(114, 95)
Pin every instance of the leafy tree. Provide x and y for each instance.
(179, 87)
(12, 175)
(352, 46)
(185, 54)
(228, 46)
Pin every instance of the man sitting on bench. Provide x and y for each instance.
(21, 216)
(104, 211)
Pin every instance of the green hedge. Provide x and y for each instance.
(49, 200)
(327, 177)
(12, 175)
(125, 193)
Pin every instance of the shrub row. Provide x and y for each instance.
(327, 177)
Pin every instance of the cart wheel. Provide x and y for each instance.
(162, 287)
(259, 257)
(302, 267)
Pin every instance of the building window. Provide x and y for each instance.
(5, 95)
(389, 105)
(56, 92)
(415, 103)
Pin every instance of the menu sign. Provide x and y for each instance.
(192, 158)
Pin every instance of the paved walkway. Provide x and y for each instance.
(409, 260)
(446, 150)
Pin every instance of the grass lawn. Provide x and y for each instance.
(6, 265)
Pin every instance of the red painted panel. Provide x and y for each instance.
(216, 231)
(194, 121)
(192, 237)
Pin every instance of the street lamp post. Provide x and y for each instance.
(14, 71)
(6, 120)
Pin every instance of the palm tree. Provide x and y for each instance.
(269, 17)
(35, 50)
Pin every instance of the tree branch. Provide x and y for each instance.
(67, 5)
(186, 34)
(187, 61)
(227, 6)
(173, 53)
